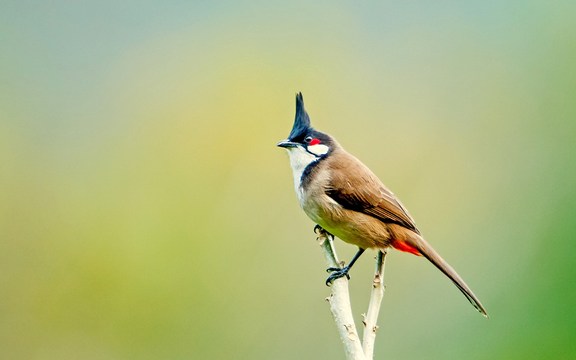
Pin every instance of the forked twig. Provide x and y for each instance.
(341, 309)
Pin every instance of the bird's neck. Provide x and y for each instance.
(300, 159)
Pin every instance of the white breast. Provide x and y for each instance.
(299, 160)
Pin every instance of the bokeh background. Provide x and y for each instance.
(145, 212)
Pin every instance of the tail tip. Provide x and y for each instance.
(482, 311)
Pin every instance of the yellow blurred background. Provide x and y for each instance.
(145, 212)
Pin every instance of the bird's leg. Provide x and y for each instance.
(340, 272)
(319, 229)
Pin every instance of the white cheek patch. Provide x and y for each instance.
(318, 149)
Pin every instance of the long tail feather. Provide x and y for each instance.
(429, 253)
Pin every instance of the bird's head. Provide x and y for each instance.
(304, 141)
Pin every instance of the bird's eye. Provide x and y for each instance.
(308, 139)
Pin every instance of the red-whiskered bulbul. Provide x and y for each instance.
(341, 195)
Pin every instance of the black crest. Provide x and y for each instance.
(301, 121)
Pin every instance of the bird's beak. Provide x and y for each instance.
(287, 144)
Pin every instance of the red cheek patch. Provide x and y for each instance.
(314, 141)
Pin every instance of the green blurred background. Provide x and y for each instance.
(145, 212)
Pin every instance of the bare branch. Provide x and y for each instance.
(371, 316)
(339, 300)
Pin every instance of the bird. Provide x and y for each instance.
(347, 200)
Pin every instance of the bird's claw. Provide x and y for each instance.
(318, 229)
(336, 274)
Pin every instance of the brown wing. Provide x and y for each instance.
(355, 187)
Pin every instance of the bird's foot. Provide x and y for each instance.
(337, 273)
(321, 231)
